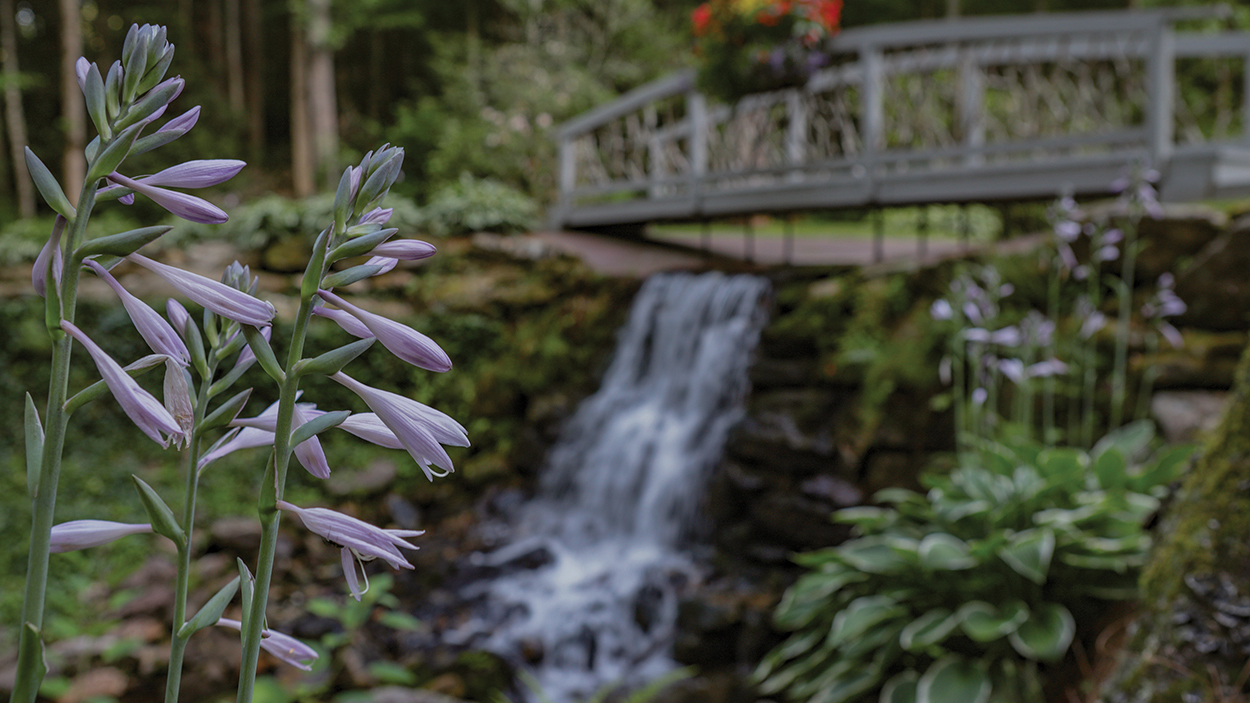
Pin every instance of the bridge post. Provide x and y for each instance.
(872, 113)
(971, 107)
(696, 112)
(796, 133)
(568, 180)
(1161, 76)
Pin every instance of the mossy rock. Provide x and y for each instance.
(1195, 600)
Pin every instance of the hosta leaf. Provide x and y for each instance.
(1131, 440)
(862, 613)
(1164, 467)
(985, 623)
(928, 629)
(810, 595)
(901, 688)
(954, 679)
(869, 519)
(1029, 552)
(1111, 469)
(945, 552)
(1047, 633)
(1060, 465)
(1118, 563)
(874, 555)
(846, 687)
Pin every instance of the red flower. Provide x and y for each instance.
(830, 12)
(701, 19)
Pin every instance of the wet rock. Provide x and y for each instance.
(1181, 233)
(832, 490)
(796, 522)
(775, 440)
(1184, 415)
(1214, 284)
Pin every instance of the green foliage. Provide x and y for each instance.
(476, 205)
(965, 593)
(640, 695)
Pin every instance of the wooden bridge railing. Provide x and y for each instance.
(977, 109)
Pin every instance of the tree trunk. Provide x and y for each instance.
(74, 165)
(234, 57)
(323, 108)
(14, 115)
(301, 141)
(254, 78)
(1192, 637)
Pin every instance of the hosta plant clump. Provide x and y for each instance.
(966, 593)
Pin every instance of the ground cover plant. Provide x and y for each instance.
(203, 361)
(965, 593)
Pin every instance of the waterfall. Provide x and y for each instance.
(586, 594)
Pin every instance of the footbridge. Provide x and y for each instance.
(979, 109)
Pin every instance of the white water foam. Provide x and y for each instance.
(605, 542)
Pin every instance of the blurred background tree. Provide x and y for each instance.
(300, 87)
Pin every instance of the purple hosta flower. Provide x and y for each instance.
(178, 398)
(81, 67)
(1005, 337)
(220, 298)
(1015, 369)
(51, 250)
(182, 123)
(359, 541)
(377, 216)
(944, 370)
(979, 396)
(158, 333)
(309, 452)
(403, 341)
(369, 427)
(81, 534)
(941, 310)
(179, 318)
(188, 207)
(1092, 322)
(406, 249)
(385, 263)
(350, 324)
(285, 647)
(421, 429)
(145, 411)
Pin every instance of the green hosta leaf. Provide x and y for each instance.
(874, 555)
(1029, 552)
(1047, 633)
(162, 518)
(901, 688)
(860, 615)
(945, 552)
(1117, 563)
(211, 612)
(867, 518)
(928, 629)
(954, 679)
(1111, 469)
(985, 623)
(952, 511)
(823, 660)
(846, 686)
(1131, 440)
(1164, 467)
(810, 596)
(1061, 465)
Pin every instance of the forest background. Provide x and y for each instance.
(299, 88)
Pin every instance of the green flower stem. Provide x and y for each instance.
(1048, 392)
(29, 669)
(178, 645)
(1119, 375)
(270, 519)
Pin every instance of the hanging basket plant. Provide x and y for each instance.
(751, 46)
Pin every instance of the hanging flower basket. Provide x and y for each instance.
(751, 46)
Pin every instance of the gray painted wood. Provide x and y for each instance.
(913, 113)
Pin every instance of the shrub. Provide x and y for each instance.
(479, 204)
(962, 594)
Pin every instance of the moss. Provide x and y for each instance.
(1201, 559)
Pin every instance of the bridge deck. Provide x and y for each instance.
(975, 110)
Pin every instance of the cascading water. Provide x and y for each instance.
(586, 594)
